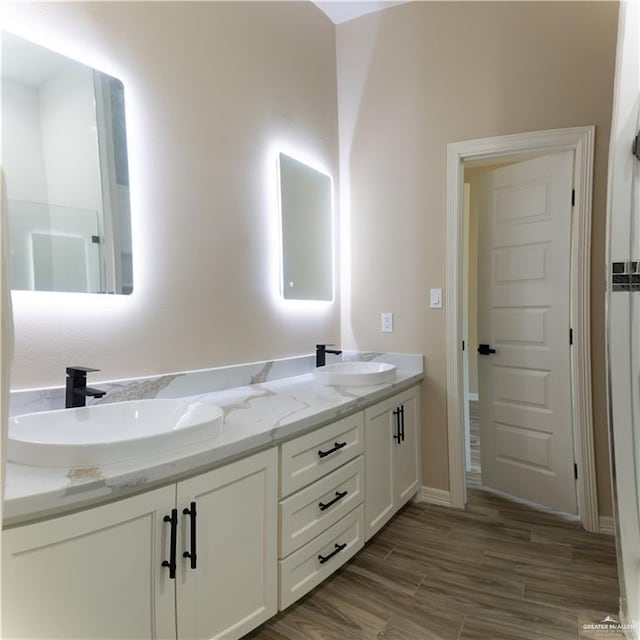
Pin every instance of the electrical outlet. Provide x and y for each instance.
(387, 322)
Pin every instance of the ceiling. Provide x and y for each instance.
(343, 10)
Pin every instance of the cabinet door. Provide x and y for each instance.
(407, 451)
(380, 425)
(234, 585)
(92, 574)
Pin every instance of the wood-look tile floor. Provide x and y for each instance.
(497, 571)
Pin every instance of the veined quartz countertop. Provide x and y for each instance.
(256, 416)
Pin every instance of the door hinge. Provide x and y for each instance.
(635, 147)
(575, 470)
(573, 197)
(570, 336)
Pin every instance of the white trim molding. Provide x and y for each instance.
(581, 141)
(434, 496)
(473, 397)
(607, 525)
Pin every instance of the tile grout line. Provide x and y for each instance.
(393, 548)
(419, 585)
(464, 620)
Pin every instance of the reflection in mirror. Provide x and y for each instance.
(64, 154)
(307, 231)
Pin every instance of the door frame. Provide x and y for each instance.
(581, 141)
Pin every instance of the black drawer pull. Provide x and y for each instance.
(191, 512)
(336, 447)
(171, 563)
(338, 549)
(339, 496)
(397, 435)
(402, 422)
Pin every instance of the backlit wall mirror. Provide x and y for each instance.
(64, 154)
(307, 231)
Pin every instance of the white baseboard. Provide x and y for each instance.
(474, 397)
(606, 525)
(434, 496)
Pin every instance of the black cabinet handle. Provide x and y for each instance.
(339, 496)
(191, 512)
(396, 435)
(171, 563)
(402, 422)
(336, 447)
(338, 548)
(485, 349)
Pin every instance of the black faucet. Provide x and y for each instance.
(321, 351)
(77, 390)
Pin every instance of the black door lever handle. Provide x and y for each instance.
(485, 350)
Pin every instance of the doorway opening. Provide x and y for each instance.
(516, 233)
(504, 150)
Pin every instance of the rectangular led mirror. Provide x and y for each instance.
(307, 231)
(64, 154)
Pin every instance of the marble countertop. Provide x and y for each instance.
(256, 416)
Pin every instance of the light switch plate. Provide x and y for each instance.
(436, 298)
(386, 322)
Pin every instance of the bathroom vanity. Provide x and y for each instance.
(106, 572)
(211, 543)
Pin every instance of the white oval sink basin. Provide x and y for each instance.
(106, 433)
(355, 374)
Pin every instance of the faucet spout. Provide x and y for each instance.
(90, 392)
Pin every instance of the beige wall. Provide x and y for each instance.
(210, 88)
(410, 80)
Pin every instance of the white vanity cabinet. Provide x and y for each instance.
(233, 587)
(99, 573)
(392, 457)
(216, 554)
(320, 511)
(92, 574)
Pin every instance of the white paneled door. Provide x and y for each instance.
(526, 435)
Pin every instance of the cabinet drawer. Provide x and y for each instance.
(313, 455)
(307, 513)
(304, 569)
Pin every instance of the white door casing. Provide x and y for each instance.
(581, 141)
(526, 433)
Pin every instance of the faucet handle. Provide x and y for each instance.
(71, 371)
